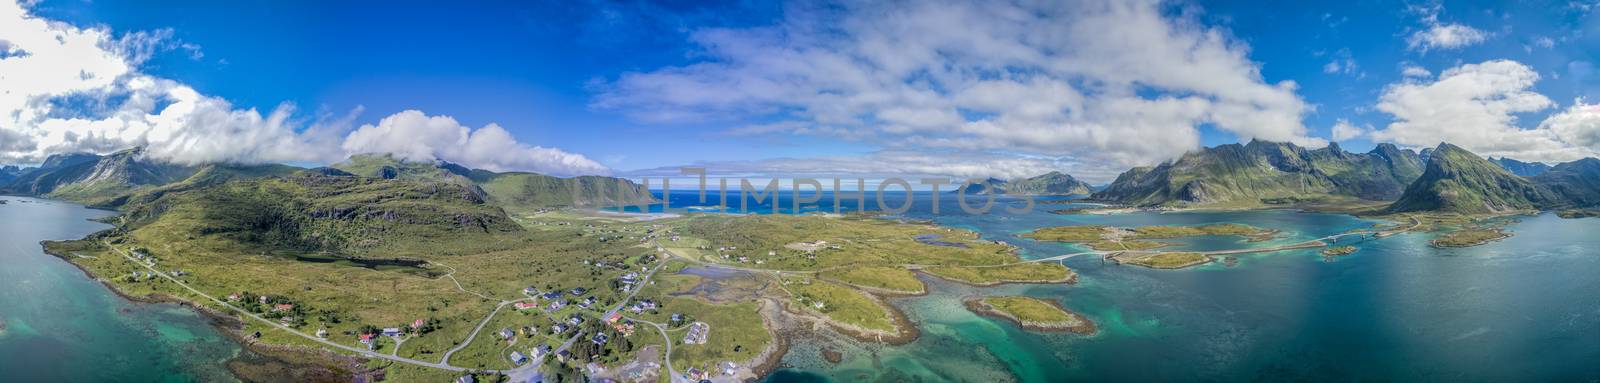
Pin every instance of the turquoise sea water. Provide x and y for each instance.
(61, 326)
(1523, 309)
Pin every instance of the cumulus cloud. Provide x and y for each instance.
(414, 136)
(1475, 106)
(905, 164)
(69, 89)
(1436, 34)
(1344, 130)
(1116, 81)
(1412, 70)
(1579, 125)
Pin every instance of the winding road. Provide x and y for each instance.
(251, 315)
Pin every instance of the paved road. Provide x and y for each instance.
(288, 329)
(675, 378)
(475, 331)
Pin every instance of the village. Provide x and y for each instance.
(586, 320)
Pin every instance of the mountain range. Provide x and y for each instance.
(1052, 183)
(112, 180)
(1445, 178)
(1266, 172)
(1524, 169)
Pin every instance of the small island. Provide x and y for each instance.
(1338, 251)
(1032, 314)
(1108, 238)
(1161, 260)
(1469, 237)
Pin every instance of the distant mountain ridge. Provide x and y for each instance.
(509, 189)
(1523, 169)
(1577, 183)
(114, 179)
(91, 178)
(1052, 183)
(1266, 172)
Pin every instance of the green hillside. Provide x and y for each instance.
(206, 175)
(1576, 182)
(1052, 183)
(317, 212)
(1266, 172)
(512, 190)
(1459, 181)
(93, 179)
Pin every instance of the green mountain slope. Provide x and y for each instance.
(1266, 172)
(206, 175)
(311, 211)
(1052, 183)
(93, 179)
(1459, 181)
(524, 190)
(512, 190)
(1577, 183)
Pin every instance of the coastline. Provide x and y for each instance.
(770, 358)
(905, 330)
(279, 360)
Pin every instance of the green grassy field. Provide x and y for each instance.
(1085, 233)
(1103, 238)
(894, 279)
(851, 241)
(842, 304)
(1166, 260)
(1468, 237)
(1038, 272)
(1029, 309)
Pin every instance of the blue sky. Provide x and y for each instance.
(637, 87)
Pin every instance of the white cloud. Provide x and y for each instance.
(1344, 63)
(1544, 42)
(1344, 130)
(1436, 34)
(1474, 106)
(70, 89)
(1410, 70)
(412, 135)
(910, 165)
(1579, 125)
(1118, 81)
